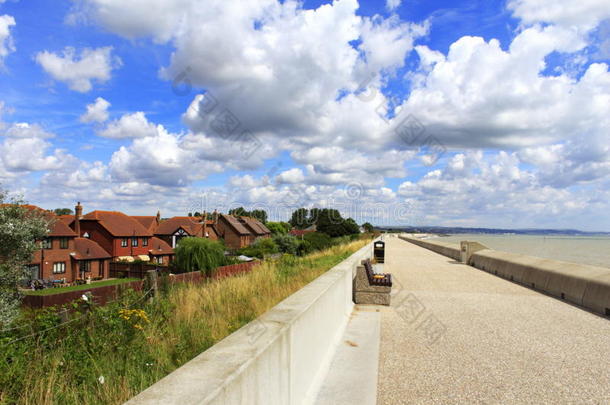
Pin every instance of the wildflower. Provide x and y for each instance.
(85, 298)
(101, 379)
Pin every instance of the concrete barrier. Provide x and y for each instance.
(280, 358)
(451, 250)
(584, 285)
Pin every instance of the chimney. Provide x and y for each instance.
(158, 216)
(215, 217)
(78, 214)
(205, 220)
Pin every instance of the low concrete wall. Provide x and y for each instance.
(584, 285)
(451, 250)
(280, 358)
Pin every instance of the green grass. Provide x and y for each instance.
(94, 284)
(134, 342)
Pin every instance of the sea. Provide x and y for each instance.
(592, 250)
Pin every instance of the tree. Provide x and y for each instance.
(286, 243)
(278, 228)
(63, 211)
(201, 254)
(368, 227)
(318, 240)
(260, 248)
(21, 229)
(261, 215)
(300, 219)
(239, 212)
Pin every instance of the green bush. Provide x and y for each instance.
(260, 248)
(318, 240)
(201, 254)
(286, 243)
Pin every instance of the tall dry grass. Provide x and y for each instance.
(189, 318)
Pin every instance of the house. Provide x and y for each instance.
(256, 227)
(299, 233)
(65, 256)
(149, 222)
(160, 252)
(239, 232)
(124, 237)
(173, 229)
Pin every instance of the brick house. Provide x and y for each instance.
(124, 237)
(173, 229)
(239, 232)
(64, 256)
(149, 222)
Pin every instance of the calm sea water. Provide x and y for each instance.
(593, 250)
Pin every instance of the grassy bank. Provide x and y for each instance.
(105, 355)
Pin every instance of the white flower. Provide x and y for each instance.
(101, 379)
(85, 298)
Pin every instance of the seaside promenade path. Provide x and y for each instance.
(456, 334)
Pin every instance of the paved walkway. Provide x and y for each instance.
(455, 334)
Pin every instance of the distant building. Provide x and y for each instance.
(239, 232)
(302, 232)
(124, 237)
(173, 229)
(65, 256)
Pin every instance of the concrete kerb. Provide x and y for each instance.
(597, 294)
(280, 358)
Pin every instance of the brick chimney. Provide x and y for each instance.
(215, 217)
(78, 214)
(158, 217)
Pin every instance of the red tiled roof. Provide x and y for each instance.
(148, 222)
(57, 227)
(235, 224)
(255, 225)
(191, 225)
(117, 223)
(87, 249)
(159, 247)
(300, 232)
(67, 219)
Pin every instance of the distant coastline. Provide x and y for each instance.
(446, 231)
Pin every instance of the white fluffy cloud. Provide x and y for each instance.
(96, 111)
(134, 125)
(79, 70)
(583, 15)
(392, 4)
(6, 41)
(26, 149)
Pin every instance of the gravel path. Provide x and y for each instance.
(455, 334)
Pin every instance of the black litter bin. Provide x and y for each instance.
(379, 251)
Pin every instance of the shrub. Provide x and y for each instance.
(260, 248)
(202, 254)
(286, 243)
(318, 240)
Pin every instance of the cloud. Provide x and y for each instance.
(134, 125)
(79, 70)
(583, 15)
(392, 4)
(292, 176)
(96, 111)
(26, 149)
(6, 41)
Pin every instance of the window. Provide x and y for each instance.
(63, 243)
(160, 260)
(124, 242)
(134, 242)
(85, 266)
(144, 241)
(59, 267)
(47, 243)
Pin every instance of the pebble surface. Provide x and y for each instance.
(455, 334)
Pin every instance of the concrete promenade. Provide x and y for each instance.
(456, 334)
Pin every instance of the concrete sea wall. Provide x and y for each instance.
(280, 358)
(444, 248)
(587, 286)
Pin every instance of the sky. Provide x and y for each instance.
(413, 112)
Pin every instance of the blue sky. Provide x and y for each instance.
(509, 100)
